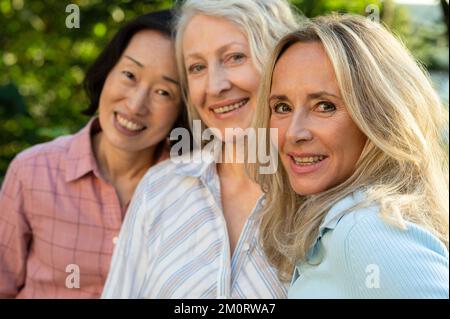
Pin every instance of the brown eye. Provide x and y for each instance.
(281, 108)
(162, 92)
(129, 75)
(326, 107)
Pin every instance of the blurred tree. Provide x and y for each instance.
(444, 6)
(312, 8)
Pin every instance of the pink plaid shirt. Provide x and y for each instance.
(58, 218)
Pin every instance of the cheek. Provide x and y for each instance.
(279, 138)
(356, 146)
(195, 92)
(349, 146)
(111, 91)
(166, 115)
(252, 79)
(200, 111)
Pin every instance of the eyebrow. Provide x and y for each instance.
(135, 61)
(220, 50)
(320, 94)
(169, 79)
(311, 96)
(278, 98)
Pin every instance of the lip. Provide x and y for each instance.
(293, 154)
(308, 168)
(124, 130)
(225, 103)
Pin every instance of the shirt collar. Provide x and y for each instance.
(80, 158)
(338, 211)
(200, 164)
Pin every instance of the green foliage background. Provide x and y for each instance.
(43, 63)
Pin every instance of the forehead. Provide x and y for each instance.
(204, 34)
(304, 65)
(149, 39)
(151, 48)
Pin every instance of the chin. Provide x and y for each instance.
(304, 190)
(223, 132)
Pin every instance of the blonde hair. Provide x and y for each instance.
(264, 22)
(403, 166)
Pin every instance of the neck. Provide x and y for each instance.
(116, 164)
(230, 167)
(232, 170)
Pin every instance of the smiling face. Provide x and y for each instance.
(222, 79)
(140, 100)
(319, 144)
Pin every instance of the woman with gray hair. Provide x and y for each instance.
(192, 227)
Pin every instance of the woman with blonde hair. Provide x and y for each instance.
(191, 230)
(359, 206)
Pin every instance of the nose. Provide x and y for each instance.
(218, 81)
(298, 130)
(137, 102)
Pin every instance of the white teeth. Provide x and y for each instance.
(229, 108)
(128, 124)
(308, 160)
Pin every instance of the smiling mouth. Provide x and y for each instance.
(308, 160)
(229, 108)
(129, 125)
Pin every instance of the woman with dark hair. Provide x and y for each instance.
(63, 202)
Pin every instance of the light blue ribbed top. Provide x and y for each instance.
(361, 256)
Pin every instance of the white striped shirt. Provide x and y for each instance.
(174, 242)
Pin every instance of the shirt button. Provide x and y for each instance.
(115, 239)
(245, 247)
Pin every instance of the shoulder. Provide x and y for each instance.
(365, 228)
(164, 174)
(54, 147)
(182, 171)
(165, 184)
(42, 155)
(355, 224)
(409, 262)
(165, 196)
